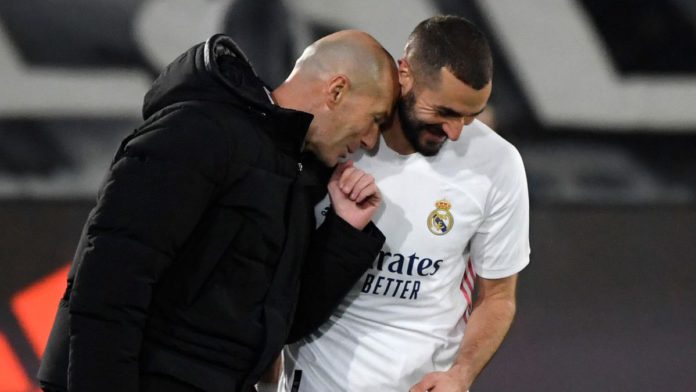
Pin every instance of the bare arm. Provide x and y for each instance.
(485, 331)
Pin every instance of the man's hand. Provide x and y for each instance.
(354, 194)
(449, 381)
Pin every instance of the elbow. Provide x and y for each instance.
(504, 308)
(509, 309)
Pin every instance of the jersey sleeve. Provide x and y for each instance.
(500, 246)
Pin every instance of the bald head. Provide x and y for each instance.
(352, 53)
(349, 83)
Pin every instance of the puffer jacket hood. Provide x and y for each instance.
(216, 70)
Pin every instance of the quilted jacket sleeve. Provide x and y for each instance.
(155, 193)
(339, 254)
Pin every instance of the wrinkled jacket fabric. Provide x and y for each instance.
(202, 241)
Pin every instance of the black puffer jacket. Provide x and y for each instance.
(191, 262)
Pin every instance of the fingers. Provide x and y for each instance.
(339, 169)
(356, 184)
(427, 383)
(354, 195)
(369, 192)
(422, 387)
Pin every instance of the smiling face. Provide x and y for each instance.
(436, 111)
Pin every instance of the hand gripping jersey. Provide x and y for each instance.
(447, 218)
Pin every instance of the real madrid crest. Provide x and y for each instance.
(440, 220)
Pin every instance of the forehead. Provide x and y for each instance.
(386, 90)
(384, 100)
(454, 94)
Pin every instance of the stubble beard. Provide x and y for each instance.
(413, 128)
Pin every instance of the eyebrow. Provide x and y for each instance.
(383, 119)
(449, 112)
(381, 115)
(385, 114)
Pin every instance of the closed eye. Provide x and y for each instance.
(444, 111)
(382, 121)
(447, 112)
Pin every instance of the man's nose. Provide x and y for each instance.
(453, 128)
(369, 140)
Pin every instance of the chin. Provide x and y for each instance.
(328, 161)
(429, 149)
(428, 152)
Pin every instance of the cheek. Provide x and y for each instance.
(367, 127)
(426, 116)
(356, 130)
(344, 134)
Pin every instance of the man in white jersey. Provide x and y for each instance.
(455, 214)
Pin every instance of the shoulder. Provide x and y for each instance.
(482, 151)
(206, 128)
(207, 139)
(490, 144)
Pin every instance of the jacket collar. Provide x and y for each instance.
(288, 128)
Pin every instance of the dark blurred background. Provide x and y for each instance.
(598, 96)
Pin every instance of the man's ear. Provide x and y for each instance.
(405, 76)
(337, 88)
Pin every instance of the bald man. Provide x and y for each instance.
(349, 63)
(188, 271)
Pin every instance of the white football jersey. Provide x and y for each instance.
(446, 218)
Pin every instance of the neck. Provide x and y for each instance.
(395, 139)
(286, 97)
(296, 94)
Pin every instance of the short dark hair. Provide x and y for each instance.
(452, 42)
